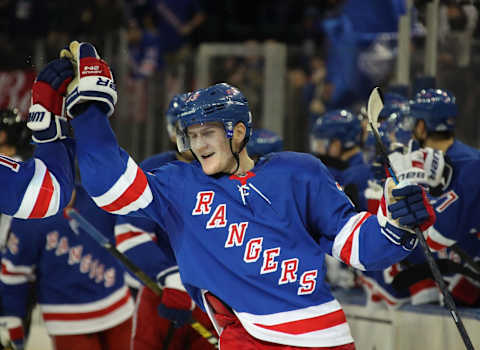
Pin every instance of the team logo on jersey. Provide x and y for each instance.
(268, 258)
(87, 264)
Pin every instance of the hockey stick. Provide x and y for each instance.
(142, 276)
(466, 257)
(374, 107)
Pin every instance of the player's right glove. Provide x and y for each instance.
(45, 116)
(11, 333)
(93, 79)
(175, 305)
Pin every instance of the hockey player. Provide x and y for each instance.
(156, 319)
(336, 139)
(457, 207)
(249, 239)
(14, 142)
(15, 137)
(41, 186)
(80, 288)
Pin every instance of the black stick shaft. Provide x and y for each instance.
(465, 257)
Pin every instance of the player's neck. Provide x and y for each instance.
(442, 145)
(246, 164)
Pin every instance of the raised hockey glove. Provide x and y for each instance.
(11, 333)
(93, 79)
(46, 115)
(175, 304)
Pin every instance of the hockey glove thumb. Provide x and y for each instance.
(45, 116)
(11, 333)
(93, 79)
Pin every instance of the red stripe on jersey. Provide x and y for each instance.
(310, 324)
(434, 245)
(131, 194)
(43, 199)
(466, 291)
(11, 273)
(16, 333)
(126, 236)
(346, 252)
(421, 285)
(79, 316)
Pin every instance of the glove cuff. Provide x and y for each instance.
(46, 126)
(390, 228)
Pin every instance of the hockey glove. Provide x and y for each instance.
(426, 167)
(403, 208)
(11, 333)
(45, 116)
(93, 79)
(175, 305)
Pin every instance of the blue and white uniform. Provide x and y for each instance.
(139, 238)
(79, 286)
(240, 238)
(38, 187)
(458, 207)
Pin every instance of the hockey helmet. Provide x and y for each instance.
(436, 107)
(218, 103)
(393, 103)
(175, 107)
(263, 142)
(15, 127)
(338, 124)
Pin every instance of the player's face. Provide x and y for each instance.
(210, 144)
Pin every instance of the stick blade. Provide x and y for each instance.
(374, 106)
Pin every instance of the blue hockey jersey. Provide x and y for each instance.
(38, 187)
(458, 207)
(256, 242)
(79, 286)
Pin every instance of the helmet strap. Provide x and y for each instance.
(236, 155)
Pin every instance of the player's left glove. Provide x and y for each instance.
(93, 79)
(175, 305)
(11, 333)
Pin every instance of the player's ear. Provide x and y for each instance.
(239, 133)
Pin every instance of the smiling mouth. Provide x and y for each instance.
(208, 155)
